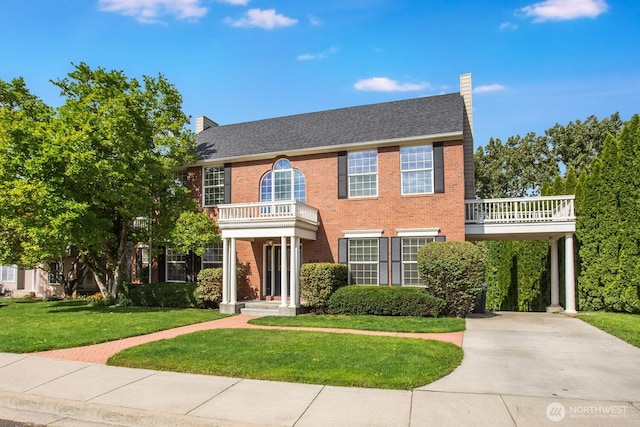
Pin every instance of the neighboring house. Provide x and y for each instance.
(18, 282)
(365, 186)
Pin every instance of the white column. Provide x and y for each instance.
(555, 275)
(273, 271)
(225, 270)
(569, 275)
(293, 278)
(263, 290)
(232, 273)
(283, 271)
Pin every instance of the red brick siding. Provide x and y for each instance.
(388, 211)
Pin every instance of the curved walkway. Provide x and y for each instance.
(100, 353)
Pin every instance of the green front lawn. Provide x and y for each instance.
(36, 326)
(622, 325)
(303, 357)
(368, 323)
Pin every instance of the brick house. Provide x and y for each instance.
(366, 186)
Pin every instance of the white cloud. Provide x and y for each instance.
(149, 11)
(315, 56)
(235, 2)
(508, 26)
(315, 21)
(384, 84)
(489, 88)
(267, 19)
(562, 10)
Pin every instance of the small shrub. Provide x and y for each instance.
(384, 301)
(98, 300)
(454, 272)
(174, 295)
(318, 281)
(208, 293)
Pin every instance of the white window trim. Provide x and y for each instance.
(376, 263)
(417, 232)
(349, 175)
(431, 170)
(204, 187)
(362, 234)
(402, 253)
(15, 273)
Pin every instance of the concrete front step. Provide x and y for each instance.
(261, 308)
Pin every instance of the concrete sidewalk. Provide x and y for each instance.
(519, 370)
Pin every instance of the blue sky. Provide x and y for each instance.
(533, 64)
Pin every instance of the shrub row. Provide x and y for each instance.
(384, 301)
(175, 295)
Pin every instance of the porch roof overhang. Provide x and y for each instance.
(267, 220)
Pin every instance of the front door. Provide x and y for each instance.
(274, 269)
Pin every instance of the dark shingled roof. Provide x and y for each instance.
(390, 120)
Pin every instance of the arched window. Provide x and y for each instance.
(283, 183)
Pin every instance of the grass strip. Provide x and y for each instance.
(622, 325)
(367, 323)
(301, 357)
(39, 326)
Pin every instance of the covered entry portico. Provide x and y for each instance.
(530, 218)
(284, 223)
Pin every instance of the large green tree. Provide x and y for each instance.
(83, 177)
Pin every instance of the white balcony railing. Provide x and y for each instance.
(267, 211)
(520, 210)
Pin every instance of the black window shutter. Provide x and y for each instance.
(342, 251)
(383, 261)
(438, 168)
(162, 275)
(396, 261)
(227, 182)
(138, 263)
(441, 238)
(343, 192)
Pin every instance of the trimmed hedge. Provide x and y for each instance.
(318, 281)
(175, 295)
(384, 301)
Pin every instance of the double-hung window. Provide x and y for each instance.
(8, 273)
(363, 261)
(55, 273)
(213, 185)
(212, 257)
(363, 173)
(176, 266)
(410, 246)
(416, 168)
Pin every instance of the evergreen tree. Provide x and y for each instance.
(623, 294)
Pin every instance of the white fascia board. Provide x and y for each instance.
(440, 137)
(362, 234)
(417, 232)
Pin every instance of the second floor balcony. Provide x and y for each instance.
(519, 218)
(273, 218)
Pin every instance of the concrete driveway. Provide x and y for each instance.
(545, 355)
